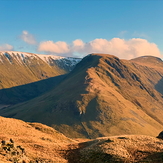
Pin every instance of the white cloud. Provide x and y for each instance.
(6, 47)
(78, 43)
(125, 49)
(121, 48)
(28, 38)
(54, 47)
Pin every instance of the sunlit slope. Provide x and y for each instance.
(102, 96)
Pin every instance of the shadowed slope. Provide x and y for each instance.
(102, 96)
(18, 94)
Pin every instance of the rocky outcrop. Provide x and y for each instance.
(13, 152)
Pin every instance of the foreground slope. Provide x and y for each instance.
(22, 142)
(30, 142)
(102, 96)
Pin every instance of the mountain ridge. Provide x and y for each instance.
(111, 97)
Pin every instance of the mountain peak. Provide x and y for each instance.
(103, 55)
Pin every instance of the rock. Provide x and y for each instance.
(160, 136)
(3, 142)
(11, 141)
(13, 153)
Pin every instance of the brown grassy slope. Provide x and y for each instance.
(102, 96)
(40, 142)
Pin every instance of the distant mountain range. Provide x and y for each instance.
(101, 96)
(22, 72)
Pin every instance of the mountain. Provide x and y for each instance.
(101, 96)
(19, 69)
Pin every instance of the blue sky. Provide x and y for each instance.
(78, 27)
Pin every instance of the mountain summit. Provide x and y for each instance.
(101, 96)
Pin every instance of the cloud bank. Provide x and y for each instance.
(28, 38)
(121, 48)
(6, 47)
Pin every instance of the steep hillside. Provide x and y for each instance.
(102, 96)
(18, 70)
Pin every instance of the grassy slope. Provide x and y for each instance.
(102, 96)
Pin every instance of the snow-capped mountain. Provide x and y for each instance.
(67, 63)
(18, 68)
(25, 75)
